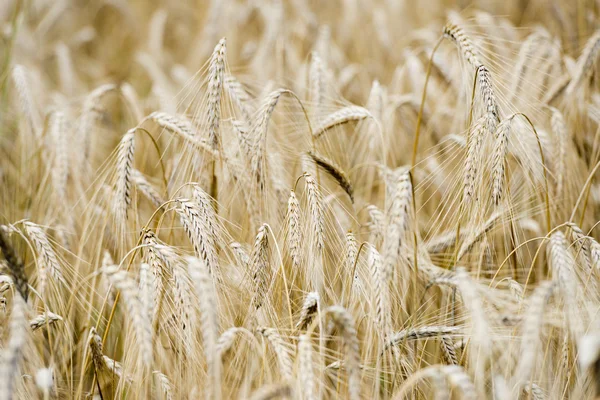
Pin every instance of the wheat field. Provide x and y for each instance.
(300, 199)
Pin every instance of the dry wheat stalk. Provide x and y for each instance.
(90, 112)
(340, 117)
(316, 80)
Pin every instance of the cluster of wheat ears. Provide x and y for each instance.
(299, 199)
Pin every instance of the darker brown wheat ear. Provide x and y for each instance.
(335, 171)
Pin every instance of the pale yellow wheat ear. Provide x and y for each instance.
(28, 108)
(306, 375)
(309, 309)
(139, 320)
(278, 344)
(344, 322)
(340, 117)
(12, 353)
(209, 322)
(124, 171)
(48, 264)
(216, 71)
(16, 268)
(294, 233)
(585, 63)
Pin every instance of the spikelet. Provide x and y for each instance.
(279, 346)
(272, 392)
(126, 151)
(294, 233)
(47, 258)
(340, 117)
(141, 326)
(345, 324)
(216, 70)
